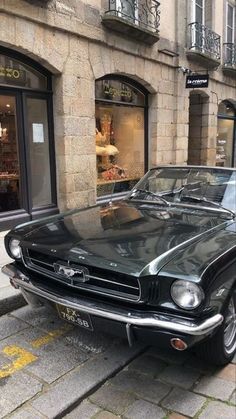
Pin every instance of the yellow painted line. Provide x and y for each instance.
(23, 358)
(49, 337)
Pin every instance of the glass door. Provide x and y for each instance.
(37, 129)
(10, 173)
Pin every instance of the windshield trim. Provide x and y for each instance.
(173, 167)
(182, 204)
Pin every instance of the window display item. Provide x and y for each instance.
(114, 173)
(119, 134)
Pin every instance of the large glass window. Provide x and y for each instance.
(120, 136)
(27, 181)
(225, 147)
(9, 157)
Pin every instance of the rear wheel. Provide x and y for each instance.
(221, 348)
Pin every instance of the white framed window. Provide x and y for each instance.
(230, 23)
(198, 11)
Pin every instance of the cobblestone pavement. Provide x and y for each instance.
(48, 369)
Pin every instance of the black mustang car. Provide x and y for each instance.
(158, 266)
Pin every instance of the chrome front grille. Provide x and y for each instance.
(98, 280)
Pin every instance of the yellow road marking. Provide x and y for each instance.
(49, 337)
(23, 358)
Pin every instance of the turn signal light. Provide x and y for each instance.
(178, 344)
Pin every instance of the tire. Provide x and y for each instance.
(221, 347)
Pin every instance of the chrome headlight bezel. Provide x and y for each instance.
(186, 294)
(14, 248)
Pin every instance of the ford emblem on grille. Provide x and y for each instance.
(75, 274)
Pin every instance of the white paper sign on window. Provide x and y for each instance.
(38, 134)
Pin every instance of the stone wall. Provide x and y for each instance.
(67, 37)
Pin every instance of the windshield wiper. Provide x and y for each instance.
(208, 201)
(151, 194)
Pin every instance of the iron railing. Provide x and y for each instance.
(203, 39)
(229, 55)
(144, 13)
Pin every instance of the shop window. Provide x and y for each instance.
(225, 147)
(120, 135)
(10, 194)
(27, 167)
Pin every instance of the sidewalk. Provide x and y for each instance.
(10, 298)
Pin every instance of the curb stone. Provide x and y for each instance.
(10, 299)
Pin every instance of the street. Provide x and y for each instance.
(49, 369)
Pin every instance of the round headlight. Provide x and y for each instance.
(186, 294)
(15, 249)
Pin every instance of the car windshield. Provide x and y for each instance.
(211, 187)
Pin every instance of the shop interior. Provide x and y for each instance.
(119, 145)
(9, 156)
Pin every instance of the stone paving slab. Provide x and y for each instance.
(111, 398)
(184, 402)
(180, 375)
(76, 385)
(217, 410)
(15, 390)
(142, 409)
(85, 410)
(49, 369)
(215, 387)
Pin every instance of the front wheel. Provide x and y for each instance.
(221, 347)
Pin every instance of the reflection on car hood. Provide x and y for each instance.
(135, 239)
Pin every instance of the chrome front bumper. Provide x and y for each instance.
(130, 318)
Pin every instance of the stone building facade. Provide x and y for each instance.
(76, 44)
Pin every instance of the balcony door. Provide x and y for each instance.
(198, 11)
(128, 9)
(230, 57)
(230, 24)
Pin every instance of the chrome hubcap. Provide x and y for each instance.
(230, 328)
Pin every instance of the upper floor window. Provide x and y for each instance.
(230, 23)
(202, 12)
(198, 11)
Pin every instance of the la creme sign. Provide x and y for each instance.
(197, 81)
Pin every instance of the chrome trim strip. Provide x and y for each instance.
(107, 311)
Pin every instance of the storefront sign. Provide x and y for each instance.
(14, 75)
(197, 81)
(115, 93)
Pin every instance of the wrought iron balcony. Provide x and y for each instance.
(204, 45)
(137, 18)
(230, 55)
(229, 63)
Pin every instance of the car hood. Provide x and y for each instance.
(131, 238)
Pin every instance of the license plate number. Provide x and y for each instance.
(76, 317)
